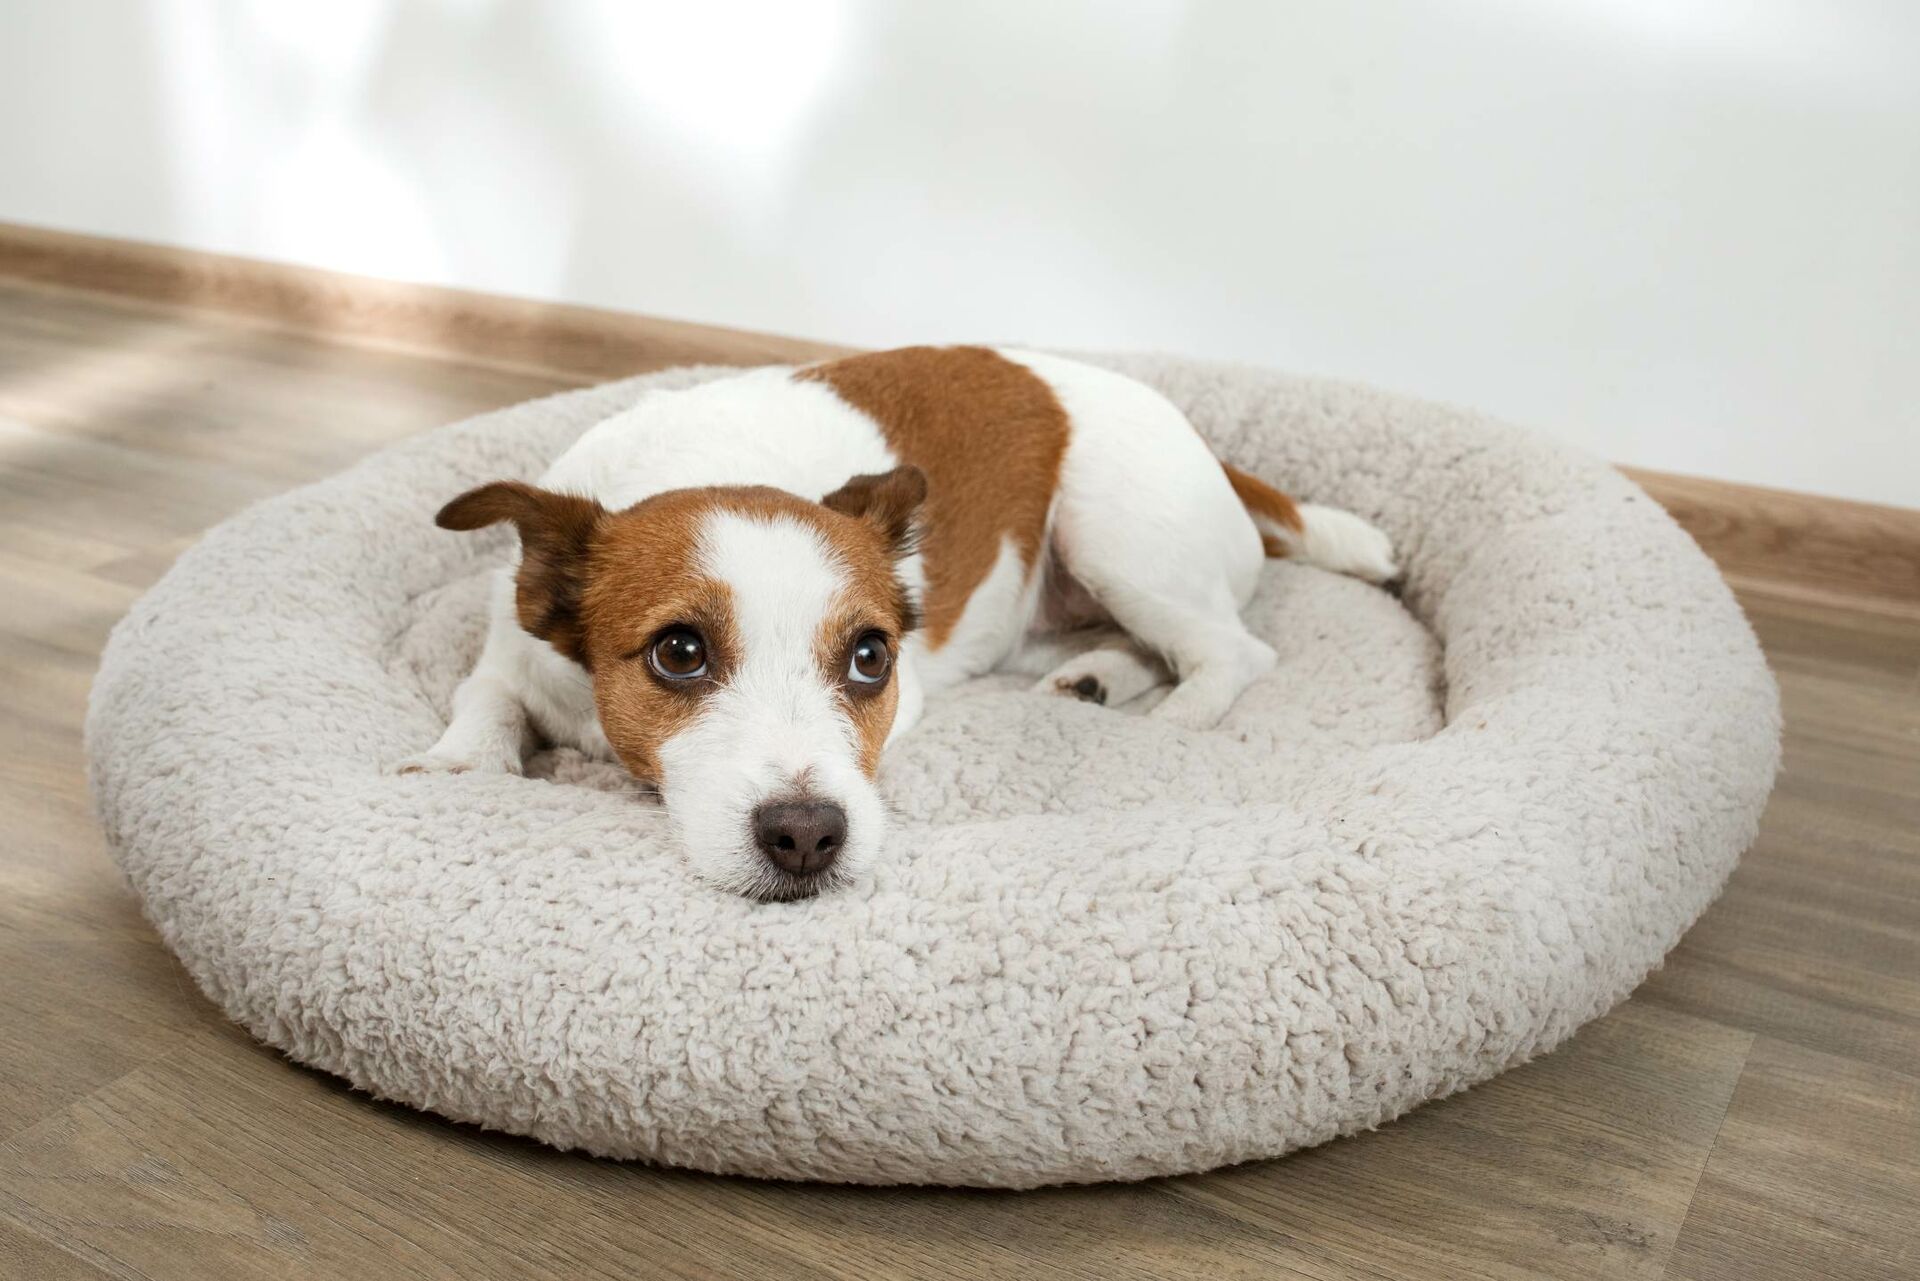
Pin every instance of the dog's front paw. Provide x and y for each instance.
(444, 762)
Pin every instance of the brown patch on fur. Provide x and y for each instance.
(555, 530)
(639, 578)
(1262, 499)
(870, 708)
(988, 433)
(872, 721)
(889, 503)
(869, 513)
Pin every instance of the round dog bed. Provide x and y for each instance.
(1442, 835)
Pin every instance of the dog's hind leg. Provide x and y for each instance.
(1214, 674)
(1175, 582)
(1179, 619)
(1147, 522)
(1200, 636)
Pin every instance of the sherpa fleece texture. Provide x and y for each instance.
(1435, 841)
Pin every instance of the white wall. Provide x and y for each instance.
(1682, 233)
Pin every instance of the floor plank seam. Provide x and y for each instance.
(1706, 1161)
(190, 1038)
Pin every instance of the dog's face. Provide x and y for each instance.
(742, 644)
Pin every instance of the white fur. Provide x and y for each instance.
(776, 727)
(1145, 531)
(762, 427)
(1339, 541)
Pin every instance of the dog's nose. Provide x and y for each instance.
(800, 837)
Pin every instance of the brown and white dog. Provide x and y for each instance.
(743, 591)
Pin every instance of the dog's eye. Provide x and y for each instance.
(678, 654)
(870, 661)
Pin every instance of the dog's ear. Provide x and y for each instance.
(890, 501)
(556, 531)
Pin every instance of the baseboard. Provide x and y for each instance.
(1825, 550)
(586, 344)
(1817, 549)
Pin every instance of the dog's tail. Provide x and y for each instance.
(1323, 536)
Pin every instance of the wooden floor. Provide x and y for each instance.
(1753, 1112)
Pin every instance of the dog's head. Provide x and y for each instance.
(742, 644)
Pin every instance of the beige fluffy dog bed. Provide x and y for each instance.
(1429, 846)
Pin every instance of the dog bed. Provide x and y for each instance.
(1443, 834)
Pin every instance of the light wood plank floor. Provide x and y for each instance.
(1752, 1113)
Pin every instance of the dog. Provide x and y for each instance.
(745, 590)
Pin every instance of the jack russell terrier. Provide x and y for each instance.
(745, 590)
